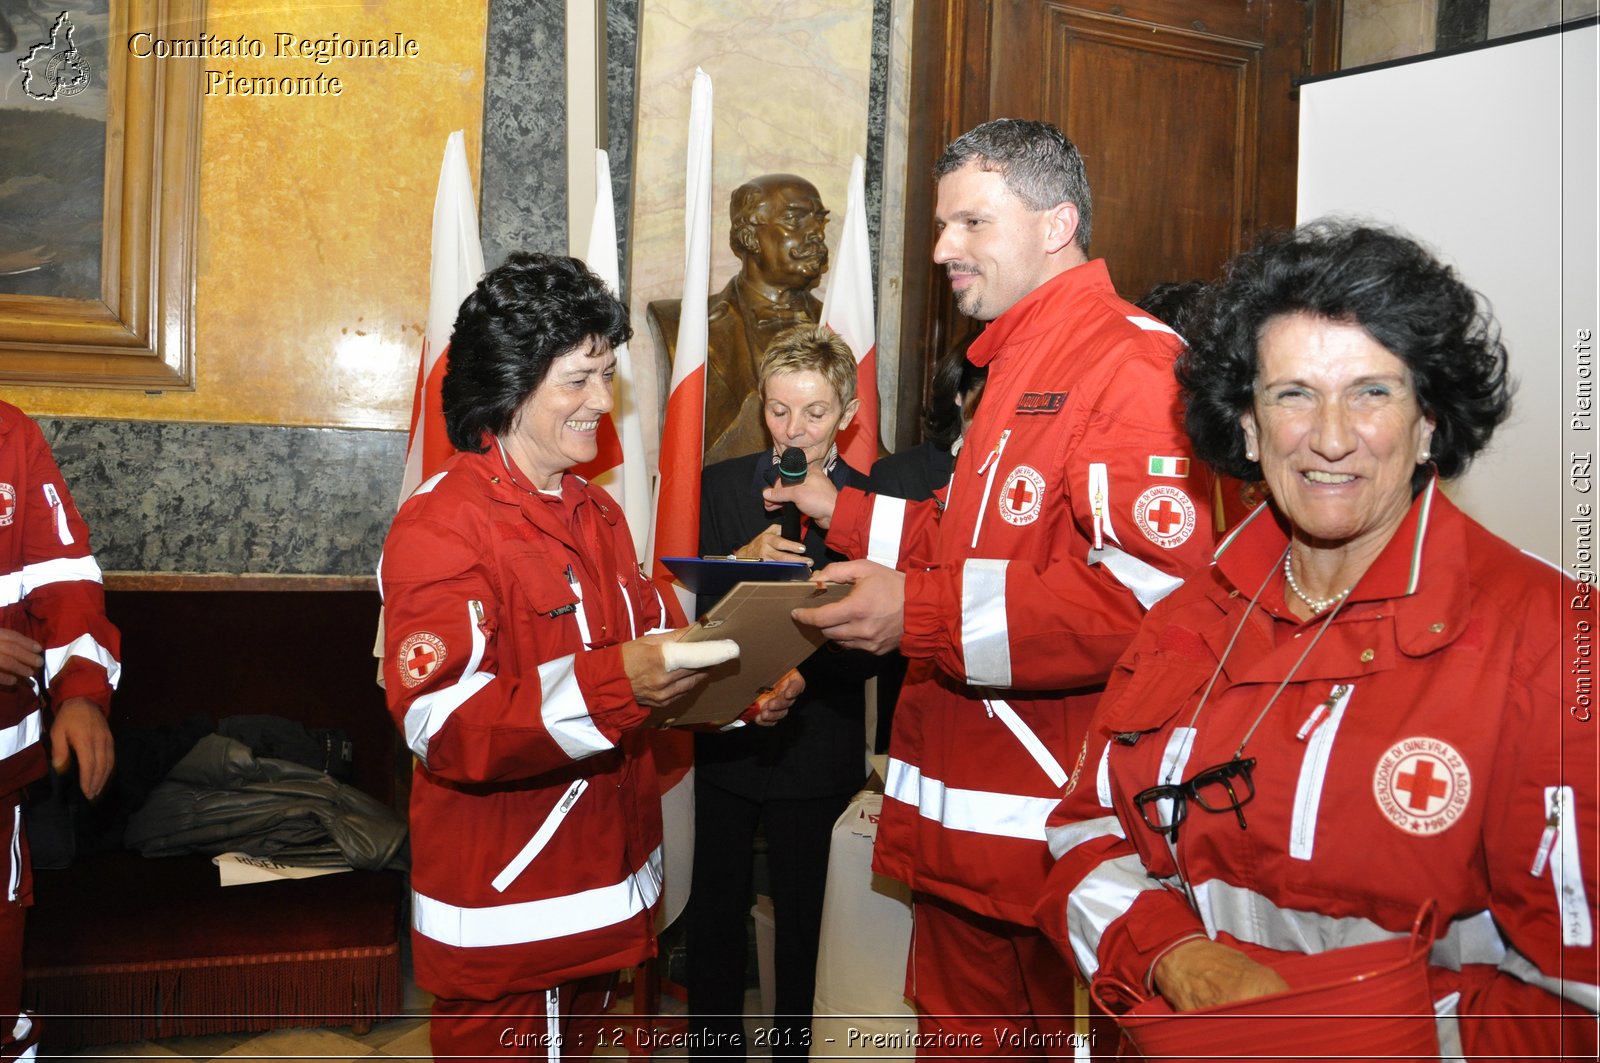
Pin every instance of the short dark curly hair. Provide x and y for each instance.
(1040, 166)
(1345, 271)
(522, 316)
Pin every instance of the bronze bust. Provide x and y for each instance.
(778, 223)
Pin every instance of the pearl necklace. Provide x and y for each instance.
(1316, 605)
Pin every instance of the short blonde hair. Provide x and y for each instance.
(816, 348)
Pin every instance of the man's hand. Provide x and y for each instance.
(814, 496)
(770, 545)
(20, 657)
(655, 685)
(80, 730)
(1204, 973)
(872, 618)
(775, 703)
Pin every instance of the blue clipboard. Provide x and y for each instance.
(719, 575)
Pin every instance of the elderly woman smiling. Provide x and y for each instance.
(1356, 710)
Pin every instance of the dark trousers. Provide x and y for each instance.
(798, 834)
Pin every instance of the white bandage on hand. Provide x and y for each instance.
(708, 654)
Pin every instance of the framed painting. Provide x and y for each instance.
(98, 194)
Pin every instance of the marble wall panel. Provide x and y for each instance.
(1518, 16)
(791, 82)
(524, 205)
(1379, 30)
(208, 498)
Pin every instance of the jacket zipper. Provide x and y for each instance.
(1036, 749)
(991, 465)
(1318, 733)
(541, 837)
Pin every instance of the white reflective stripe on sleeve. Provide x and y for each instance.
(542, 920)
(59, 570)
(1148, 583)
(1030, 741)
(1566, 869)
(886, 530)
(428, 714)
(1102, 777)
(1250, 916)
(21, 735)
(1447, 1023)
(14, 857)
(985, 642)
(1150, 324)
(1104, 896)
(541, 837)
(1520, 967)
(979, 811)
(1313, 770)
(1065, 837)
(566, 713)
(55, 659)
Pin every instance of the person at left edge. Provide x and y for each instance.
(58, 667)
(794, 780)
(524, 652)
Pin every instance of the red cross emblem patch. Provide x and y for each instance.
(1022, 496)
(1422, 785)
(8, 504)
(1165, 515)
(420, 656)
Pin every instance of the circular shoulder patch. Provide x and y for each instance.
(8, 504)
(1022, 497)
(1165, 515)
(420, 656)
(1422, 785)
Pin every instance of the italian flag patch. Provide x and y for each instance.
(1160, 466)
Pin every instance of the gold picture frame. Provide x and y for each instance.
(140, 332)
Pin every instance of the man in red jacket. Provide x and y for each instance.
(58, 666)
(1073, 508)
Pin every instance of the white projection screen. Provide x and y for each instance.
(1489, 157)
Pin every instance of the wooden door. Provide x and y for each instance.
(1185, 112)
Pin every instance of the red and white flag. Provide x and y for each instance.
(848, 310)
(455, 271)
(457, 267)
(677, 526)
(619, 467)
(676, 532)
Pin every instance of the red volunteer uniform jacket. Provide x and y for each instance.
(51, 591)
(1421, 751)
(535, 811)
(1072, 509)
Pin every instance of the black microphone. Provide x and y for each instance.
(791, 471)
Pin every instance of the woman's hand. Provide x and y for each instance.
(655, 685)
(814, 496)
(770, 545)
(1204, 973)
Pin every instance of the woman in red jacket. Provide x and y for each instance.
(1357, 710)
(525, 652)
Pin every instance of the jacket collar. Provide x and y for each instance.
(1422, 574)
(548, 512)
(1040, 309)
